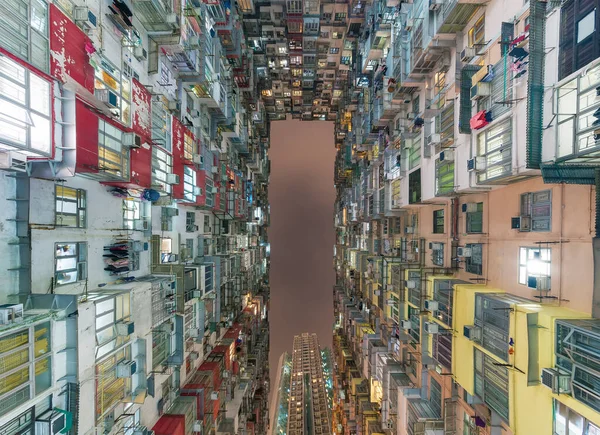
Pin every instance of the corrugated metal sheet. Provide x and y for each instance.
(569, 174)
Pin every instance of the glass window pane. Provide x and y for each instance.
(586, 26)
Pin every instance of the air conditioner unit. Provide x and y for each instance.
(124, 329)
(431, 327)
(389, 287)
(467, 54)
(142, 430)
(83, 17)
(377, 292)
(198, 159)
(214, 395)
(447, 155)
(435, 246)
(481, 90)
(140, 53)
(412, 284)
(197, 192)
(11, 313)
(226, 374)
(132, 140)
(172, 179)
(194, 332)
(174, 105)
(405, 324)
(434, 5)
(140, 225)
(214, 170)
(197, 293)
(469, 207)
(521, 223)
(409, 230)
(472, 332)
(13, 161)
(195, 114)
(431, 305)
(193, 41)
(51, 423)
(194, 355)
(477, 164)
(107, 97)
(214, 189)
(434, 139)
(198, 427)
(390, 302)
(410, 23)
(557, 381)
(126, 369)
(464, 252)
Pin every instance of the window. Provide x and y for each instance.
(340, 16)
(569, 422)
(435, 397)
(538, 206)
(475, 220)
(586, 26)
(334, 50)
(110, 78)
(189, 184)
(474, 263)
(131, 213)
(113, 157)
(326, 16)
(534, 263)
(25, 107)
(70, 207)
(24, 30)
(491, 383)
(162, 164)
(578, 35)
(437, 254)
(495, 144)
(476, 33)
(70, 263)
(438, 221)
(444, 177)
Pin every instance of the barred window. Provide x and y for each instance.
(70, 207)
(70, 263)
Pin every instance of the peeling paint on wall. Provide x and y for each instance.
(142, 117)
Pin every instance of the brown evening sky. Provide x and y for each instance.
(301, 194)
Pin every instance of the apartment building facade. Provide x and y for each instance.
(135, 174)
(466, 221)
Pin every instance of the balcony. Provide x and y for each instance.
(157, 15)
(455, 14)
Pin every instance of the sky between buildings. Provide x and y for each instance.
(301, 194)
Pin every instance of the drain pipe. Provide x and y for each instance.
(596, 252)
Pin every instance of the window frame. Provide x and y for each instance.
(437, 216)
(104, 72)
(469, 219)
(531, 203)
(19, 79)
(189, 183)
(523, 270)
(162, 165)
(80, 202)
(80, 256)
(31, 30)
(472, 35)
(107, 154)
(476, 268)
(437, 255)
(498, 156)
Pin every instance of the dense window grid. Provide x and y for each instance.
(437, 254)
(493, 316)
(475, 220)
(435, 396)
(443, 293)
(534, 262)
(415, 324)
(24, 31)
(25, 108)
(538, 206)
(70, 263)
(108, 77)
(442, 349)
(414, 152)
(70, 207)
(474, 263)
(113, 157)
(162, 164)
(495, 145)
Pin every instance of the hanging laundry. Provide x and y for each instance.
(519, 53)
(479, 121)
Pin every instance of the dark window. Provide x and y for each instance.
(538, 206)
(475, 220)
(579, 40)
(437, 254)
(435, 397)
(474, 263)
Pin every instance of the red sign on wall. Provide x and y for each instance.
(68, 55)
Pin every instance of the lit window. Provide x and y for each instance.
(131, 213)
(340, 16)
(25, 107)
(113, 157)
(334, 50)
(70, 263)
(189, 146)
(282, 50)
(162, 164)
(534, 263)
(189, 184)
(70, 207)
(118, 88)
(24, 30)
(476, 34)
(495, 145)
